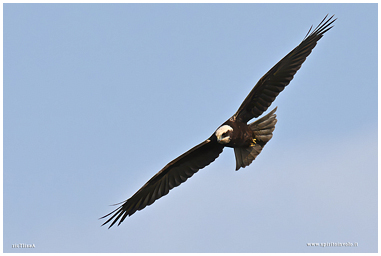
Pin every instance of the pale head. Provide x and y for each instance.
(223, 134)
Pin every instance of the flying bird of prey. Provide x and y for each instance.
(247, 140)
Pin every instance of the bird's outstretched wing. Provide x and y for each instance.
(276, 79)
(172, 175)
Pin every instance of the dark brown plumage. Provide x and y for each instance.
(246, 139)
(279, 76)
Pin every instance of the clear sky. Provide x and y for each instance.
(98, 98)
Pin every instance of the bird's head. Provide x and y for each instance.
(223, 134)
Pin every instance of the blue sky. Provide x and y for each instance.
(98, 98)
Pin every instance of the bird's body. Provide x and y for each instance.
(241, 135)
(247, 139)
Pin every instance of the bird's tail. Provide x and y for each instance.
(263, 130)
